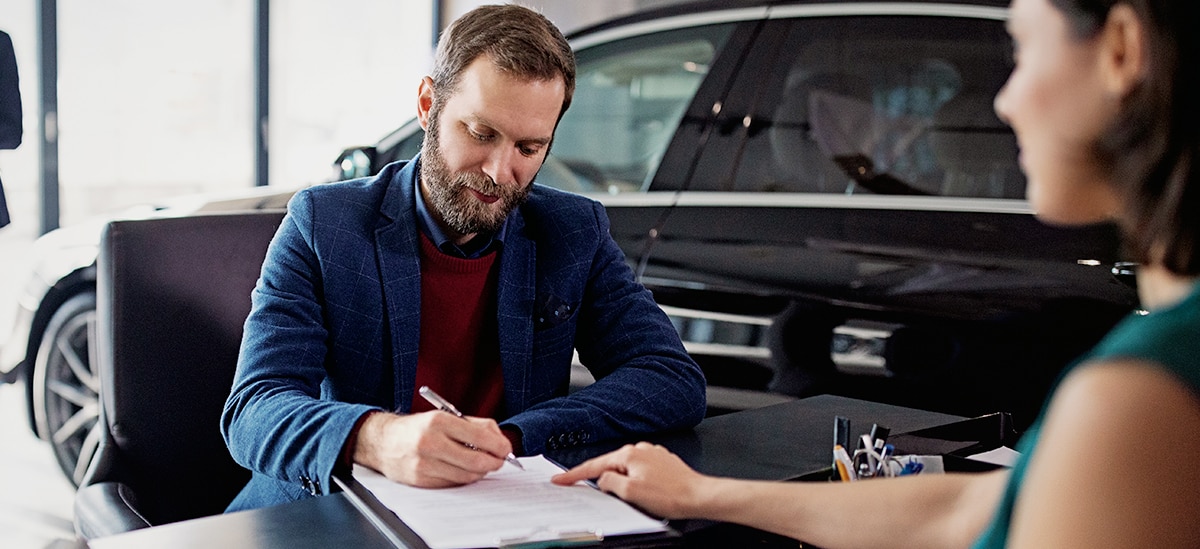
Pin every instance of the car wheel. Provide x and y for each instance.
(66, 388)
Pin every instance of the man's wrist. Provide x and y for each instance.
(360, 444)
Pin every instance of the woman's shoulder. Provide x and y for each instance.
(1112, 443)
(1169, 338)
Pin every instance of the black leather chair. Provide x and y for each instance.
(172, 297)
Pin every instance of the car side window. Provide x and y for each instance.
(405, 149)
(895, 105)
(629, 97)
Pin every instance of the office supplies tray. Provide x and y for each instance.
(953, 441)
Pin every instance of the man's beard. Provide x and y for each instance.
(450, 198)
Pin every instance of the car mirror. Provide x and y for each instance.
(354, 162)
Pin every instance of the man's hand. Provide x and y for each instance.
(430, 449)
(647, 475)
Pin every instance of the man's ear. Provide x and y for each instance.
(425, 102)
(1122, 44)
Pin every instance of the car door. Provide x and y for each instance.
(848, 136)
(643, 93)
(856, 175)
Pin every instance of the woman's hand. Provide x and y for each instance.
(646, 475)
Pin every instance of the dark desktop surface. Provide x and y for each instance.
(786, 441)
(780, 442)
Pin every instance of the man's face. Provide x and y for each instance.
(484, 145)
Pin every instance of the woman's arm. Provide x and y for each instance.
(918, 511)
(1118, 463)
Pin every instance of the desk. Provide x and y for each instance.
(779, 442)
(316, 523)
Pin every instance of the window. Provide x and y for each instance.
(629, 98)
(895, 105)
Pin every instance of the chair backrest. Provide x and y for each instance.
(172, 297)
(797, 153)
(976, 149)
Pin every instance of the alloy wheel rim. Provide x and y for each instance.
(72, 395)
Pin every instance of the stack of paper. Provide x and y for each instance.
(507, 506)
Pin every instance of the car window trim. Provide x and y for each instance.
(683, 199)
(667, 24)
(931, 9)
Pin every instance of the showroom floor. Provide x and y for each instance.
(35, 497)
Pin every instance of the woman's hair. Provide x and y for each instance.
(518, 40)
(1153, 147)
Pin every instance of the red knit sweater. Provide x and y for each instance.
(459, 354)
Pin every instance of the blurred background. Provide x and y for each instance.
(157, 98)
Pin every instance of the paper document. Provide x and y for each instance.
(1003, 456)
(506, 506)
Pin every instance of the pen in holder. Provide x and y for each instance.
(841, 441)
(869, 462)
(874, 457)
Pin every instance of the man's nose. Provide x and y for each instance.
(501, 165)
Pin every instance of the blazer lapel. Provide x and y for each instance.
(515, 295)
(396, 250)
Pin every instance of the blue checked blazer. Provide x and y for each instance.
(335, 323)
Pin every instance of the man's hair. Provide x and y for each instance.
(1153, 147)
(518, 41)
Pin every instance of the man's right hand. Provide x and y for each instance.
(430, 449)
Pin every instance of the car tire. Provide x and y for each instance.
(66, 387)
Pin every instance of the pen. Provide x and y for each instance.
(441, 404)
(841, 460)
(885, 454)
(868, 445)
(879, 434)
(841, 434)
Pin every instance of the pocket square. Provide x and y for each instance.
(552, 311)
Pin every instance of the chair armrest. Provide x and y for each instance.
(107, 508)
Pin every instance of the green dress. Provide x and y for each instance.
(1169, 338)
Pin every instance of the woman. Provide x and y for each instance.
(1104, 103)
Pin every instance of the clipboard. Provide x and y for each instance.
(382, 518)
(401, 536)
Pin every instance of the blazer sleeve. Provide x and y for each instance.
(275, 422)
(646, 381)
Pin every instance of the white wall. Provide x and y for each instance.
(346, 74)
(156, 97)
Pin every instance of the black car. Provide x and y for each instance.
(822, 197)
(818, 193)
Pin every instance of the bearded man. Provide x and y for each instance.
(453, 271)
